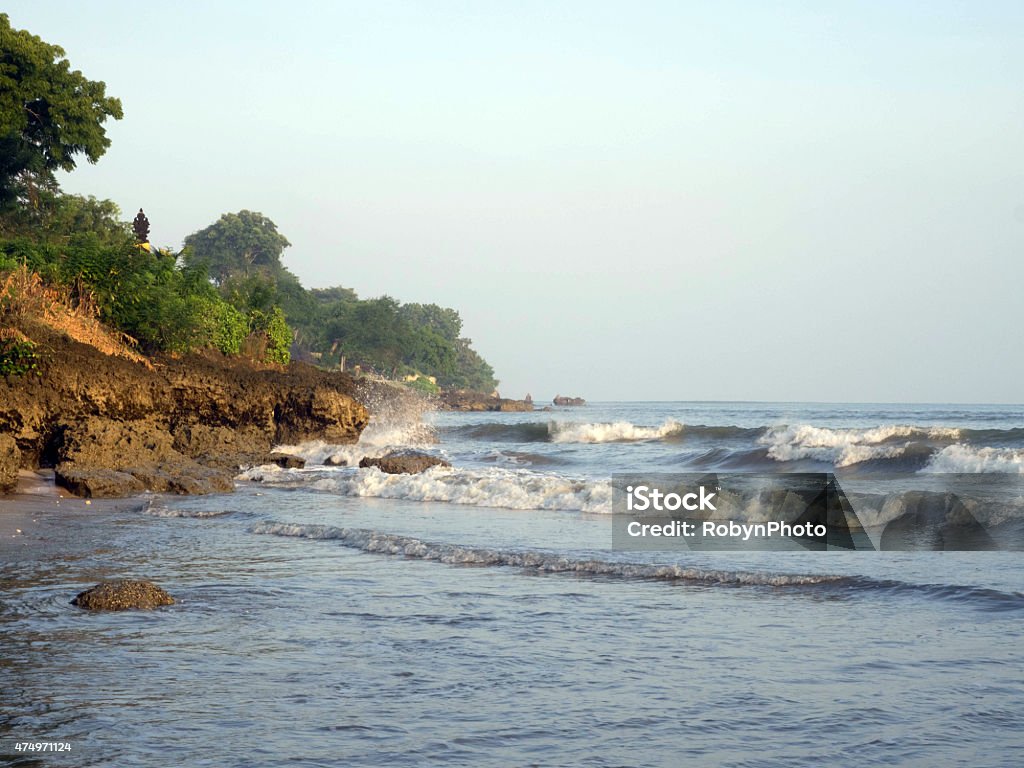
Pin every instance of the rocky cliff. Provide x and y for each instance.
(110, 426)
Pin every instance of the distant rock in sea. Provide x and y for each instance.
(464, 400)
(560, 400)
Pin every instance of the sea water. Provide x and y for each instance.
(336, 616)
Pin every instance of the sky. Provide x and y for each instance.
(814, 201)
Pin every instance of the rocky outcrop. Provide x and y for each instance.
(10, 460)
(562, 400)
(112, 427)
(121, 595)
(461, 400)
(403, 462)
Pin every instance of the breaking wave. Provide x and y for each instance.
(615, 432)
(846, 447)
(970, 459)
(377, 542)
(491, 487)
(570, 432)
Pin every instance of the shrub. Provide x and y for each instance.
(274, 329)
(424, 385)
(229, 328)
(17, 356)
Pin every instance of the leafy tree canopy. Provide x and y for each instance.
(50, 115)
(238, 244)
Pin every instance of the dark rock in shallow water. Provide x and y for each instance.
(285, 460)
(398, 463)
(335, 461)
(10, 460)
(99, 483)
(121, 595)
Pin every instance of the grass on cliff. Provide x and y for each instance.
(25, 298)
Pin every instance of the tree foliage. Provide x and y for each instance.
(50, 115)
(243, 243)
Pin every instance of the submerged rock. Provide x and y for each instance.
(123, 594)
(405, 462)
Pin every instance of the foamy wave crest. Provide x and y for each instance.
(498, 487)
(614, 432)
(539, 562)
(968, 459)
(197, 513)
(845, 447)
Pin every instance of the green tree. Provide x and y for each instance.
(50, 115)
(240, 243)
(443, 321)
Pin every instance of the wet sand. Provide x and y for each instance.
(28, 516)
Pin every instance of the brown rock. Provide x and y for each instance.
(122, 595)
(95, 482)
(462, 400)
(285, 460)
(406, 462)
(114, 427)
(10, 461)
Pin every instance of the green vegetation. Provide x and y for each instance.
(17, 357)
(49, 115)
(228, 290)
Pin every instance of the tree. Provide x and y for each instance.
(443, 321)
(50, 115)
(238, 244)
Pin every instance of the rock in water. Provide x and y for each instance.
(407, 462)
(122, 595)
(285, 460)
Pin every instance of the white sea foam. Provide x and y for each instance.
(540, 562)
(379, 437)
(844, 447)
(966, 458)
(612, 432)
(495, 487)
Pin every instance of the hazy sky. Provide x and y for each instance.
(628, 200)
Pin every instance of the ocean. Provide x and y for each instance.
(479, 616)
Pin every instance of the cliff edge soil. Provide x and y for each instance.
(112, 427)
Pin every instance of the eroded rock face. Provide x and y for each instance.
(112, 427)
(403, 462)
(10, 460)
(122, 595)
